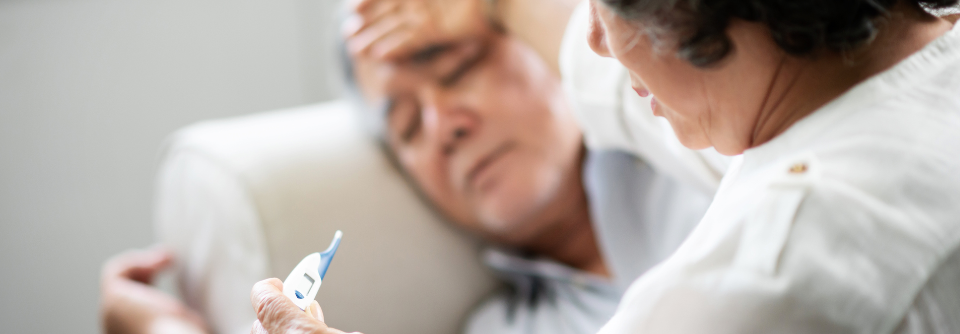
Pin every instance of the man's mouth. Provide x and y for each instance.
(473, 176)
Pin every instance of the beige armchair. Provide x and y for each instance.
(243, 199)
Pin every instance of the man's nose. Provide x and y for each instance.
(454, 123)
(596, 36)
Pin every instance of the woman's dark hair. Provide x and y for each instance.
(800, 27)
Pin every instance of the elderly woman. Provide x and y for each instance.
(839, 213)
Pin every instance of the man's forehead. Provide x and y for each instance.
(434, 65)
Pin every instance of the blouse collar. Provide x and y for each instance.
(909, 72)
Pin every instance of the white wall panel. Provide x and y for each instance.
(89, 89)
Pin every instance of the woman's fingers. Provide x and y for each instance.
(277, 314)
(257, 328)
(315, 311)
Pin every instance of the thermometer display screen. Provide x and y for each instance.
(305, 284)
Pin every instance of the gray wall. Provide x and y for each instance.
(89, 89)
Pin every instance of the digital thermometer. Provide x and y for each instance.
(302, 284)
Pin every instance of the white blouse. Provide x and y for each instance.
(848, 222)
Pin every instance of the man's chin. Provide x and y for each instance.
(512, 209)
(511, 224)
(500, 224)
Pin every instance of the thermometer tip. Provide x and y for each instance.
(327, 255)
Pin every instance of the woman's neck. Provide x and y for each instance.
(803, 85)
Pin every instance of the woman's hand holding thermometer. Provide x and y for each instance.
(304, 281)
(276, 315)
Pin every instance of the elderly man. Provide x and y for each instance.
(483, 129)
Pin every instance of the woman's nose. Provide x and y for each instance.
(596, 36)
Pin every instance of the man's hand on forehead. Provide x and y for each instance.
(396, 29)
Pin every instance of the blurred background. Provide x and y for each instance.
(88, 91)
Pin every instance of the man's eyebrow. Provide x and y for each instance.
(462, 69)
(430, 53)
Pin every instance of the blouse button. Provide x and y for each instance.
(798, 168)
